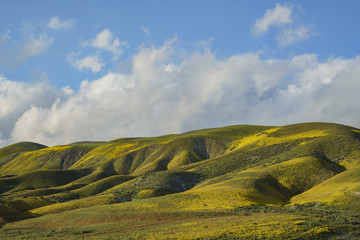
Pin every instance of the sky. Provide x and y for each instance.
(100, 70)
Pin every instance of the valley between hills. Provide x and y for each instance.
(299, 181)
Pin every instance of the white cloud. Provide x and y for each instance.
(5, 37)
(106, 40)
(34, 46)
(291, 35)
(290, 30)
(92, 63)
(18, 97)
(15, 51)
(57, 23)
(278, 16)
(146, 30)
(198, 90)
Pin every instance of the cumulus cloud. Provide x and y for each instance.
(166, 92)
(92, 63)
(18, 97)
(281, 17)
(57, 23)
(278, 16)
(106, 40)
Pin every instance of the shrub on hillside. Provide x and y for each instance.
(2, 222)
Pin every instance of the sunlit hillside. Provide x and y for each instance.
(233, 182)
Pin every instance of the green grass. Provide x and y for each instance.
(231, 182)
(10, 152)
(342, 191)
(254, 222)
(8, 214)
(41, 179)
(95, 187)
(20, 147)
(59, 157)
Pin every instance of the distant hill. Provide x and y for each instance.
(210, 169)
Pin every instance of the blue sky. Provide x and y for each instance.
(99, 70)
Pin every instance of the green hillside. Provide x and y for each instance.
(8, 153)
(300, 181)
(20, 147)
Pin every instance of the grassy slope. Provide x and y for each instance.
(208, 169)
(59, 157)
(11, 214)
(110, 222)
(342, 190)
(41, 179)
(10, 152)
(20, 147)
(262, 166)
(155, 225)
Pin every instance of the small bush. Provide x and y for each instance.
(2, 222)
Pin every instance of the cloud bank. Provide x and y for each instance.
(166, 92)
(17, 98)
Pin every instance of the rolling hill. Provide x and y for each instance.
(299, 181)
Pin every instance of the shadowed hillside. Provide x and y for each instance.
(221, 169)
